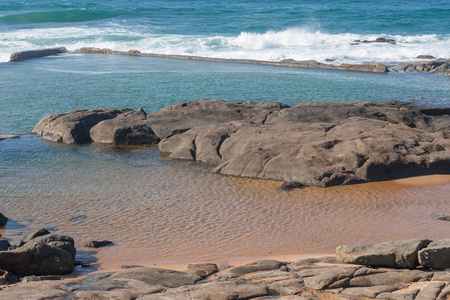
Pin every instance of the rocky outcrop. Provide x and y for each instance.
(311, 279)
(25, 55)
(434, 66)
(290, 63)
(320, 144)
(377, 40)
(401, 254)
(436, 255)
(49, 254)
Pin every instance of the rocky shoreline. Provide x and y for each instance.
(430, 63)
(405, 269)
(321, 144)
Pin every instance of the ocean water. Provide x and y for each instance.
(159, 210)
(266, 30)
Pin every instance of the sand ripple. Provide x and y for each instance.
(160, 210)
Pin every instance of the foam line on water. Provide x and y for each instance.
(300, 43)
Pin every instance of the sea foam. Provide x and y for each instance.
(299, 43)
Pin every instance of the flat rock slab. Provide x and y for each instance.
(7, 136)
(393, 254)
(282, 282)
(25, 55)
(156, 276)
(322, 144)
(262, 265)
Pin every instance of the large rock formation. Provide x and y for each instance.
(321, 144)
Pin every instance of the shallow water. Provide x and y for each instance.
(159, 210)
(39, 87)
(266, 30)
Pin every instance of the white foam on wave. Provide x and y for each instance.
(300, 43)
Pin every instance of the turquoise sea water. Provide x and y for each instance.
(126, 193)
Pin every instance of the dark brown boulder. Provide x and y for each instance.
(45, 255)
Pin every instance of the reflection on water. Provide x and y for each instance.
(160, 210)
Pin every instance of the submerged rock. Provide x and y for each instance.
(322, 144)
(98, 244)
(425, 57)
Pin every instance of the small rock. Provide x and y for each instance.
(446, 218)
(29, 279)
(38, 233)
(436, 255)
(289, 185)
(425, 57)
(131, 266)
(3, 220)
(48, 277)
(329, 59)
(98, 244)
(11, 277)
(4, 245)
(78, 217)
(202, 270)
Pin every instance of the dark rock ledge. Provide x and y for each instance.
(307, 279)
(440, 65)
(322, 144)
